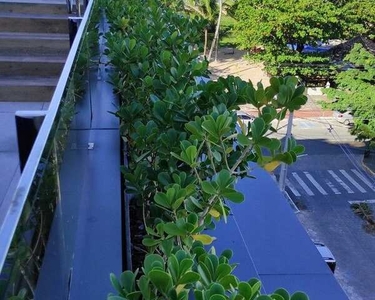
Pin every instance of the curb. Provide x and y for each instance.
(367, 168)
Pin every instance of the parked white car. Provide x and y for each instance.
(343, 117)
(326, 255)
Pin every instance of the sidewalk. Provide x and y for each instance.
(234, 64)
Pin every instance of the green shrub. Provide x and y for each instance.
(186, 150)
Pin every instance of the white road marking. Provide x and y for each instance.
(303, 184)
(363, 178)
(342, 183)
(315, 183)
(371, 201)
(292, 188)
(353, 182)
(332, 187)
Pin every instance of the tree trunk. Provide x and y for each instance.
(205, 41)
(216, 37)
(300, 47)
(217, 48)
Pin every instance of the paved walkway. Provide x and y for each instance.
(231, 62)
(9, 163)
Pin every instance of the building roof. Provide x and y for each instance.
(339, 51)
(270, 243)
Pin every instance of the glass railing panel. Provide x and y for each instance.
(37, 235)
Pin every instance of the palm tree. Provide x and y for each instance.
(215, 41)
(207, 10)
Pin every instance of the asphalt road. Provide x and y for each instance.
(322, 182)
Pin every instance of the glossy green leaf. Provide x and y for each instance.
(208, 188)
(222, 270)
(282, 292)
(173, 229)
(224, 179)
(243, 140)
(229, 281)
(257, 127)
(115, 283)
(163, 200)
(145, 287)
(245, 290)
(299, 149)
(161, 280)
(127, 280)
(299, 296)
(217, 289)
(233, 195)
(148, 242)
(134, 295)
(189, 277)
(152, 261)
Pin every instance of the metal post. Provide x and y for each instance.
(78, 7)
(74, 23)
(284, 167)
(28, 124)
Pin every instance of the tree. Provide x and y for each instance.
(356, 91)
(358, 18)
(206, 9)
(275, 23)
(215, 41)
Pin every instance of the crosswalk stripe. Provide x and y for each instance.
(332, 187)
(360, 176)
(343, 184)
(303, 184)
(315, 183)
(292, 188)
(353, 182)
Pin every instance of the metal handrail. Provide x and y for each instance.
(14, 211)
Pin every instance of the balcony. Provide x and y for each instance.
(64, 220)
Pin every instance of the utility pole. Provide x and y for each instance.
(284, 166)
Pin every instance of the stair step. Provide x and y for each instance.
(57, 8)
(23, 88)
(31, 65)
(39, 44)
(33, 23)
(35, 1)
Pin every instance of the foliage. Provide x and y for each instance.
(356, 91)
(207, 9)
(274, 24)
(210, 274)
(186, 149)
(358, 18)
(227, 37)
(311, 68)
(364, 211)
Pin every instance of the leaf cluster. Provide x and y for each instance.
(210, 274)
(355, 90)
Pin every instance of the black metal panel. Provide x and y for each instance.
(28, 124)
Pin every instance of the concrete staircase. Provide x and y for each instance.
(34, 43)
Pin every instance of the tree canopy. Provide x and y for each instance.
(358, 17)
(275, 23)
(356, 91)
(283, 29)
